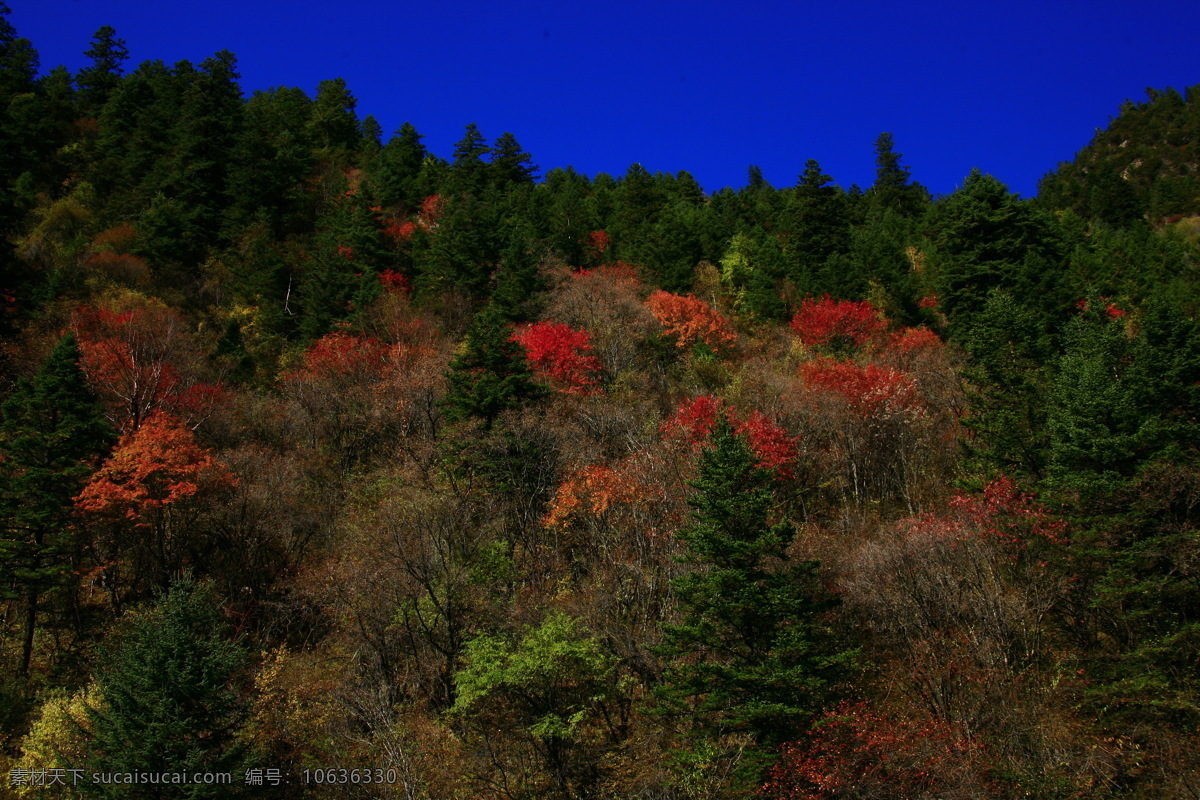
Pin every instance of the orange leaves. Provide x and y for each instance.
(691, 320)
(825, 321)
(867, 390)
(560, 355)
(154, 466)
(591, 490)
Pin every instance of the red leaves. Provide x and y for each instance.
(691, 320)
(156, 465)
(857, 752)
(1008, 514)
(597, 242)
(394, 282)
(914, 340)
(339, 355)
(135, 355)
(867, 390)
(560, 355)
(826, 321)
(695, 419)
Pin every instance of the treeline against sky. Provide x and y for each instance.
(318, 450)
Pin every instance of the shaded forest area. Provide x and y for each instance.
(321, 451)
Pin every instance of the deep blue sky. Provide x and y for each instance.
(709, 87)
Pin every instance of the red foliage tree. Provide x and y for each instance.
(868, 390)
(340, 355)
(694, 420)
(908, 341)
(691, 320)
(140, 357)
(394, 282)
(560, 355)
(827, 322)
(857, 752)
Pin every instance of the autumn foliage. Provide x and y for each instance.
(140, 357)
(592, 489)
(827, 322)
(154, 466)
(694, 421)
(340, 355)
(855, 751)
(560, 355)
(691, 320)
(867, 390)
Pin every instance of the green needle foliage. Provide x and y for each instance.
(167, 702)
(490, 374)
(750, 655)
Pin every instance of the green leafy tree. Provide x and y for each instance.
(53, 430)
(167, 699)
(550, 685)
(751, 654)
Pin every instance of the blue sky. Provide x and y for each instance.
(707, 87)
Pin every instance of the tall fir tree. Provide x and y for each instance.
(510, 165)
(751, 654)
(52, 432)
(96, 81)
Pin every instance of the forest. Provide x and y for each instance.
(350, 471)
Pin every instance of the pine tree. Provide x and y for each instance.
(396, 170)
(750, 652)
(52, 431)
(817, 225)
(510, 164)
(489, 375)
(97, 80)
(468, 171)
(892, 189)
(167, 703)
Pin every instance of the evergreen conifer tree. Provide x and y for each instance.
(750, 652)
(489, 375)
(167, 703)
(53, 428)
(97, 80)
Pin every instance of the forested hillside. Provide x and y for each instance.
(357, 472)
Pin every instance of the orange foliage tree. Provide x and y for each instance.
(148, 496)
(691, 320)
